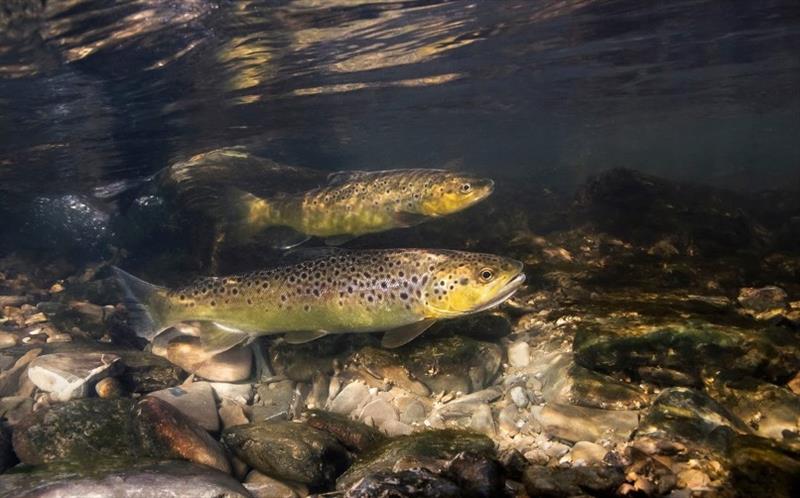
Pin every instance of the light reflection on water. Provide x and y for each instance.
(94, 91)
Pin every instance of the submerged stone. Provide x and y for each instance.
(72, 375)
(763, 303)
(697, 348)
(762, 468)
(301, 362)
(355, 436)
(380, 366)
(162, 430)
(577, 423)
(146, 372)
(690, 416)
(556, 482)
(261, 486)
(233, 365)
(76, 430)
(477, 475)
(418, 449)
(195, 401)
(288, 451)
(412, 483)
(120, 476)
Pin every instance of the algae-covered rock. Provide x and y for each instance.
(697, 348)
(690, 416)
(120, 476)
(288, 451)
(420, 449)
(75, 431)
(353, 435)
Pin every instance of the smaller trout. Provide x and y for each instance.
(400, 291)
(354, 203)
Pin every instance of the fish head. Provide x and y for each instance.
(450, 192)
(465, 283)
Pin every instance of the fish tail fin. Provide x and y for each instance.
(146, 304)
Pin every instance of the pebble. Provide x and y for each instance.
(576, 423)
(587, 453)
(537, 457)
(482, 421)
(379, 412)
(554, 449)
(350, 398)
(394, 428)
(273, 401)
(519, 354)
(693, 479)
(7, 340)
(109, 388)
(70, 375)
(240, 393)
(519, 396)
(262, 486)
(195, 400)
(411, 411)
(232, 413)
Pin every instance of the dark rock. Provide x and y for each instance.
(557, 482)
(420, 449)
(76, 430)
(689, 416)
(7, 456)
(413, 483)
(288, 451)
(762, 468)
(764, 302)
(483, 326)
(164, 431)
(145, 372)
(477, 475)
(120, 476)
(353, 435)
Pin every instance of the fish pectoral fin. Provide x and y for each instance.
(303, 336)
(406, 219)
(403, 335)
(338, 240)
(282, 237)
(216, 338)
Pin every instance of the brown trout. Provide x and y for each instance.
(400, 291)
(352, 203)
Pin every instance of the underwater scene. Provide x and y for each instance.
(399, 248)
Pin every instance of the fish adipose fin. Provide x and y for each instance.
(403, 335)
(303, 336)
(146, 304)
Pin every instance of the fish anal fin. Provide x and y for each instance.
(403, 335)
(303, 336)
(338, 240)
(406, 219)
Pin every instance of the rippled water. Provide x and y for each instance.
(95, 91)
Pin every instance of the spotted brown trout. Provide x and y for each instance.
(399, 291)
(353, 203)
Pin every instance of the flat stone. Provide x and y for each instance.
(195, 400)
(164, 430)
(7, 340)
(288, 451)
(349, 399)
(10, 378)
(577, 423)
(587, 453)
(379, 412)
(122, 477)
(482, 421)
(519, 354)
(232, 413)
(240, 393)
(394, 428)
(575, 481)
(262, 486)
(273, 401)
(411, 411)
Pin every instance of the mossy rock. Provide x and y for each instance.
(288, 451)
(423, 447)
(354, 435)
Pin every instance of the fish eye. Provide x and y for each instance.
(465, 187)
(486, 275)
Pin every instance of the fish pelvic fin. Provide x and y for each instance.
(146, 304)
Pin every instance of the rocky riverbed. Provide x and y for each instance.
(654, 352)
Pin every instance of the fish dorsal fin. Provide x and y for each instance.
(406, 219)
(303, 336)
(403, 335)
(341, 177)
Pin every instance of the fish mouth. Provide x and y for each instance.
(506, 292)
